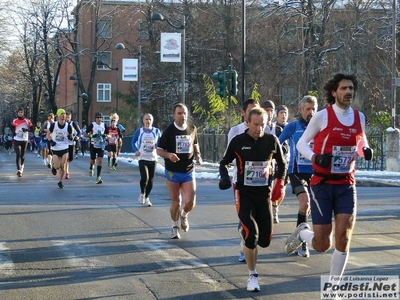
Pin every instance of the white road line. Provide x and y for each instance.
(165, 254)
(6, 263)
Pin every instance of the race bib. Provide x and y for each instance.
(256, 173)
(60, 137)
(148, 146)
(183, 144)
(113, 139)
(343, 160)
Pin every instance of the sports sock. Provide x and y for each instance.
(339, 262)
(301, 218)
(184, 214)
(307, 235)
(254, 272)
(98, 170)
(175, 223)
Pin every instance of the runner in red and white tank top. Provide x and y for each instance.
(338, 134)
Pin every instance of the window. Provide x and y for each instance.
(106, 120)
(289, 96)
(104, 29)
(104, 92)
(289, 67)
(105, 57)
(143, 30)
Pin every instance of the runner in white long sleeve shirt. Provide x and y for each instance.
(338, 135)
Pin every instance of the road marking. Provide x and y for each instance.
(6, 263)
(165, 254)
(73, 250)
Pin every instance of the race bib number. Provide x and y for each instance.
(302, 160)
(21, 134)
(256, 173)
(343, 160)
(183, 144)
(113, 139)
(60, 137)
(148, 146)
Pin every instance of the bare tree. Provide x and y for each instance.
(38, 24)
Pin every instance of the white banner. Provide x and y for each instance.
(130, 69)
(171, 47)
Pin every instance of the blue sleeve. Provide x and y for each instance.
(158, 136)
(135, 140)
(287, 132)
(122, 128)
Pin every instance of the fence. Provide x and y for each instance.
(213, 146)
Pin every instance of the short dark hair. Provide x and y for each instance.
(181, 105)
(249, 101)
(268, 104)
(333, 84)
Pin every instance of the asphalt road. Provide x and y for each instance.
(91, 241)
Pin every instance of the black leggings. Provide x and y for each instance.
(147, 170)
(20, 148)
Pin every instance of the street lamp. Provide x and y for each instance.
(160, 17)
(100, 63)
(121, 46)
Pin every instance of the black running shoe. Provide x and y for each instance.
(54, 171)
(60, 185)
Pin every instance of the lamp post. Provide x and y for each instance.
(101, 63)
(121, 46)
(394, 72)
(72, 77)
(160, 17)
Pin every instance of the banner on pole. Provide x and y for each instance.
(171, 47)
(130, 69)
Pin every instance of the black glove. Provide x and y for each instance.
(323, 160)
(225, 183)
(70, 137)
(52, 143)
(25, 129)
(368, 152)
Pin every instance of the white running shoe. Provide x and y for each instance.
(184, 223)
(294, 241)
(175, 233)
(141, 199)
(147, 202)
(303, 250)
(252, 283)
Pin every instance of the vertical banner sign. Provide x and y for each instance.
(171, 47)
(130, 69)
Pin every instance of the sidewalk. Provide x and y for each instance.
(210, 170)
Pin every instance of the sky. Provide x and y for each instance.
(209, 170)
